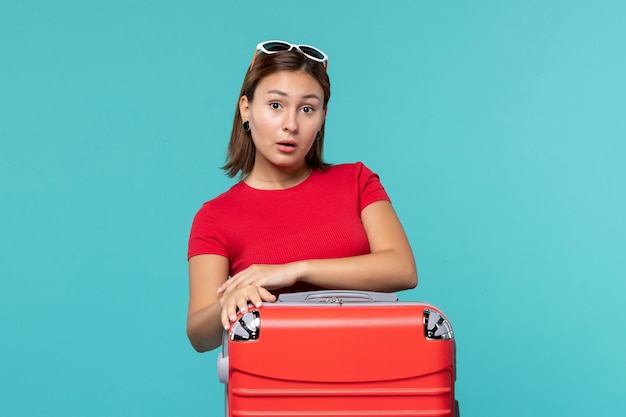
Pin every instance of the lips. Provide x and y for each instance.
(287, 142)
(286, 145)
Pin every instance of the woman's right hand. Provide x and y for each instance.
(209, 311)
(238, 300)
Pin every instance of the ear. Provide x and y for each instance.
(244, 106)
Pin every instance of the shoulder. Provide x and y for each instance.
(348, 169)
(225, 200)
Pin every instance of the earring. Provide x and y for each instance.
(319, 134)
(246, 126)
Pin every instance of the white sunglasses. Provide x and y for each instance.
(273, 47)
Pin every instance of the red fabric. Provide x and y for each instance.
(317, 219)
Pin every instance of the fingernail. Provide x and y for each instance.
(258, 304)
(232, 318)
(219, 289)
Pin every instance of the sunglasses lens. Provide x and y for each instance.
(276, 46)
(312, 52)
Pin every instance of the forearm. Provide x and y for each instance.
(385, 271)
(204, 328)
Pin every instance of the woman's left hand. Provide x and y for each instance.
(270, 277)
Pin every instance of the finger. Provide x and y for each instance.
(240, 279)
(225, 320)
(233, 285)
(236, 281)
(266, 295)
(230, 309)
(256, 298)
(227, 284)
(242, 303)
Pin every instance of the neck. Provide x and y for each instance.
(277, 180)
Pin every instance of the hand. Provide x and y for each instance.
(238, 300)
(267, 276)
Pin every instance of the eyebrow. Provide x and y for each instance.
(306, 96)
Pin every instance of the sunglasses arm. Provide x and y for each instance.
(256, 53)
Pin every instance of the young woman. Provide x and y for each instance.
(293, 222)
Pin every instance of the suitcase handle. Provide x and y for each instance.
(337, 297)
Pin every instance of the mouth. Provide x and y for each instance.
(288, 143)
(286, 146)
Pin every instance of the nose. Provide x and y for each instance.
(290, 123)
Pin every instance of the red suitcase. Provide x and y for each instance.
(339, 353)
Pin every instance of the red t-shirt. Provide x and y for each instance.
(319, 218)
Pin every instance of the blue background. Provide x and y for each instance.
(497, 127)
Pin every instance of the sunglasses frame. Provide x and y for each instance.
(261, 48)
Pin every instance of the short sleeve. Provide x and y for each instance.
(370, 188)
(206, 235)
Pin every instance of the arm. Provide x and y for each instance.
(207, 314)
(389, 267)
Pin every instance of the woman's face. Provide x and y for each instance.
(285, 116)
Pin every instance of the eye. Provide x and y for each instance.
(308, 109)
(275, 105)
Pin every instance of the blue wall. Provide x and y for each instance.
(497, 127)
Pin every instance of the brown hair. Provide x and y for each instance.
(241, 149)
